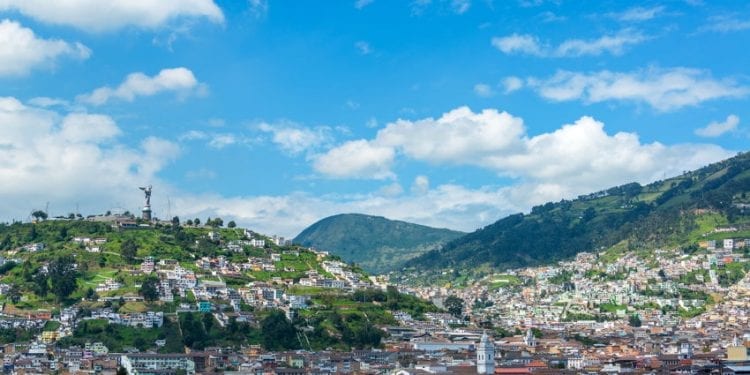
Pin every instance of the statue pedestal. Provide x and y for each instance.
(146, 213)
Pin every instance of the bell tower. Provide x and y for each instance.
(485, 355)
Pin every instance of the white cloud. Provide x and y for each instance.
(726, 24)
(613, 44)
(295, 139)
(193, 135)
(200, 174)
(220, 141)
(518, 43)
(421, 185)
(178, 80)
(574, 159)
(551, 17)
(530, 45)
(216, 140)
(92, 15)
(21, 50)
(79, 154)
(363, 47)
(484, 90)
(511, 84)
(356, 159)
(460, 6)
(359, 4)
(716, 129)
(71, 158)
(82, 127)
(259, 8)
(638, 14)
(391, 190)
(663, 89)
(450, 206)
(44, 102)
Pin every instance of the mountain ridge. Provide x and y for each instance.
(376, 243)
(659, 213)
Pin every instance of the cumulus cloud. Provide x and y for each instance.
(21, 50)
(526, 44)
(177, 80)
(484, 90)
(445, 206)
(511, 84)
(662, 89)
(220, 141)
(80, 152)
(716, 129)
(421, 185)
(92, 15)
(69, 158)
(573, 159)
(356, 159)
(519, 44)
(295, 139)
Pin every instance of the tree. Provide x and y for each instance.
(39, 215)
(454, 305)
(150, 289)
(208, 321)
(197, 222)
(176, 221)
(231, 224)
(32, 234)
(278, 332)
(121, 371)
(14, 293)
(189, 222)
(41, 284)
(62, 275)
(214, 222)
(128, 249)
(634, 320)
(91, 294)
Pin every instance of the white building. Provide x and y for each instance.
(485, 355)
(729, 244)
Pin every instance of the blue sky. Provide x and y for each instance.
(451, 113)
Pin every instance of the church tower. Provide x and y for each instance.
(529, 339)
(486, 355)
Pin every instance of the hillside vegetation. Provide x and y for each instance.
(44, 267)
(673, 212)
(375, 243)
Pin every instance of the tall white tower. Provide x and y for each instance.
(485, 355)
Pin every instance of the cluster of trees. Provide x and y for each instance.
(394, 300)
(454, 305)
(59, 278)
(216, 222)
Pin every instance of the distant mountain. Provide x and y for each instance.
(375, 243)
(672, 212)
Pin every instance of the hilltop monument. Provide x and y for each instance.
(146, 211)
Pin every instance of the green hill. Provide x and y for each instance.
(674, 212)
(375, 243)
(54, 264)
